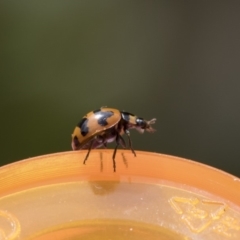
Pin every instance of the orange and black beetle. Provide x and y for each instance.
(105, 125)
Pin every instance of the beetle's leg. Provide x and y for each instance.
(122, 141)
(102, 139)
(105, 145)
(89, 150)
(104, 142)
(129, 141)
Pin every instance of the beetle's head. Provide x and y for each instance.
(142, 125)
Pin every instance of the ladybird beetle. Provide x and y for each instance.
(104, 125)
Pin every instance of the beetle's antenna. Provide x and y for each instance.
(150, 122)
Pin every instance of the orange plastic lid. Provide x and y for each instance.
(151, 196)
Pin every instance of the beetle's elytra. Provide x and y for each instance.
(99, 127)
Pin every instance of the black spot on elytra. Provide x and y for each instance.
(76, 141)
(83, 125)
(102, 117)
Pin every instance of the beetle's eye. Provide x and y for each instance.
(141, 122)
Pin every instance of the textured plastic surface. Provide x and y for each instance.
(151, 196)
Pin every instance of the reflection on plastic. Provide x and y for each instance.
(151, 194)
(102, 188)
(9, 226)
(108, 229)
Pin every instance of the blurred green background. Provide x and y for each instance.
(175, 60)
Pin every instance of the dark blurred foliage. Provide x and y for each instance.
(176, 60)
